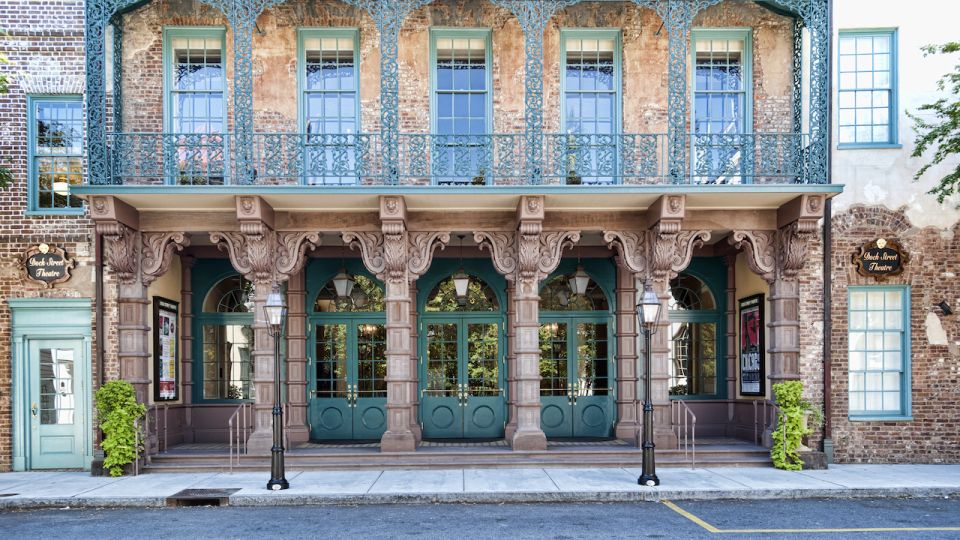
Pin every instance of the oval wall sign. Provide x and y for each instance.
(880, 259)
(47, 265)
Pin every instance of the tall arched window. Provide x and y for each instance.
(226, 340)
(694, 328)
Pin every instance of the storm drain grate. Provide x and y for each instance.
(202, 497)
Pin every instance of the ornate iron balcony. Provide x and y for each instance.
(454, 160)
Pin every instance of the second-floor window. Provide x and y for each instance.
(330, 106)
(56, 153)
(591, 84)
(867, 82)
(194, 148)
(721, 105)
(461, 106)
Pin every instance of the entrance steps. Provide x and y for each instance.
(486, 455)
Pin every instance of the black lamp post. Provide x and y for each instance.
(648, 315)
(275, 311)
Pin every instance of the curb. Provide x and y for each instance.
(488, 498)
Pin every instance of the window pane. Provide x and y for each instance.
(876, 357)
(864, 64)
(57, 152)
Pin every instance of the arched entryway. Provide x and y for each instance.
(347, 367)
(697, 331)
(462, 350)
(577, 350)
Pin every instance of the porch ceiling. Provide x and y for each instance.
(447, 199)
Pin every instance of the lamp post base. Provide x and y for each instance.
(276, 485)
(649, 480)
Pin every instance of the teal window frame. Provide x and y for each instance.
(206, 275)
(893, 137)
(905, 412)
(617, 114)
(169, 34)
(304, 34)
(462, 33)
(33, 179)
(745, 34)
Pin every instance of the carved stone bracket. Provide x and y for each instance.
(396, 256)
(659, 253)
(503, 251)
(266, 256)
(775, 254)
(761, 250)
(121, 249)
(157, 253)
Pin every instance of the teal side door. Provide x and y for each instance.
(576, 379)
(461, 381)
(57, 403)
(348, 394)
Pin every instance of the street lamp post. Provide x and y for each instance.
(275, 311)
(648, 315)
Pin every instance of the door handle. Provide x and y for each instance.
(33, 409)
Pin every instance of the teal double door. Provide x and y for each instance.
(576, 377)
(347, 396)
(461, 377)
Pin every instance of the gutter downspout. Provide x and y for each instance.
(827, 262)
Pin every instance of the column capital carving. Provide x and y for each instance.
(157, 253)
(396, 256)
(263, 255)
(503, 251)
(778, 254)
(421, 250)
(631, 248)
(659, 253)
(121, 249)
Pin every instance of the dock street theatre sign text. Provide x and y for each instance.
(880, 259)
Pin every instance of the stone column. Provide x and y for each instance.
(186, 343)
(397, 257)
(414, 366)
(266, 258)
(511, 427)
(663, 436)
(526, 257)
(730, 261)
(627, 426)
(297, 430)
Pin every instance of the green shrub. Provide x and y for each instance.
(790, 431)
(118, 412)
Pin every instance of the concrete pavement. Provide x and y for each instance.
(78, 489)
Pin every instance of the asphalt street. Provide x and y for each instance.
(811, 518)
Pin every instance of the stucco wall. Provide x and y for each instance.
(885, 176)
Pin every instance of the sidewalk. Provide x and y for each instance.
(78, 489)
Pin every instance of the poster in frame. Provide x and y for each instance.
(166, 350)
(752, 353)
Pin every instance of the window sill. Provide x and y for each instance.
(53, 213)
(879, 418)
(866, 146)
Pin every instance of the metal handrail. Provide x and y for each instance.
(685, 428)
(238, 426)
(758, 428)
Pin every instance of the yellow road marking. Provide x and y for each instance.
(715, 530)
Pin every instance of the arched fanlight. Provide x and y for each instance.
(579, 281)
(343, 283)
(461, 281)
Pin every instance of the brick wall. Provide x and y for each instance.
(933, 436)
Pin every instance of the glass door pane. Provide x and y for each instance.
(553, 359)
(331, 361)
(371, 360)
(693, 359)
(442, 353)
(483, 366)
(592, 360)
(57, 399)
(227, 364)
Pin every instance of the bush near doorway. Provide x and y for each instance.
(791, 425)
(118, 412)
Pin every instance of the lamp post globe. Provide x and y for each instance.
(275, 314)
(648, 316)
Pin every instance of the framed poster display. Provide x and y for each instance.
(166, 352)
(751, 346)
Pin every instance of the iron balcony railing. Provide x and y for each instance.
(453, 160)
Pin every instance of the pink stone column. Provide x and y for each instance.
(511, 427)
(399, 436)
(784, 348)
(186, 343)
(414, 367)
(660, 343)
(261, 440)
(295, 413)
(627, 426)
(528, 434)
(133, 331)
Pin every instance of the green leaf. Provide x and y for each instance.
(938, 127)
(118, 412)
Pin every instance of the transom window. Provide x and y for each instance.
(878, 349)
(366, 296)
(330, 105)
(557, 295)
(867, 83)
(56, 153)
(480, 297)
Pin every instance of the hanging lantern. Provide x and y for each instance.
(343, 283)
(579, 281)
(460, 282)
(359, 298)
